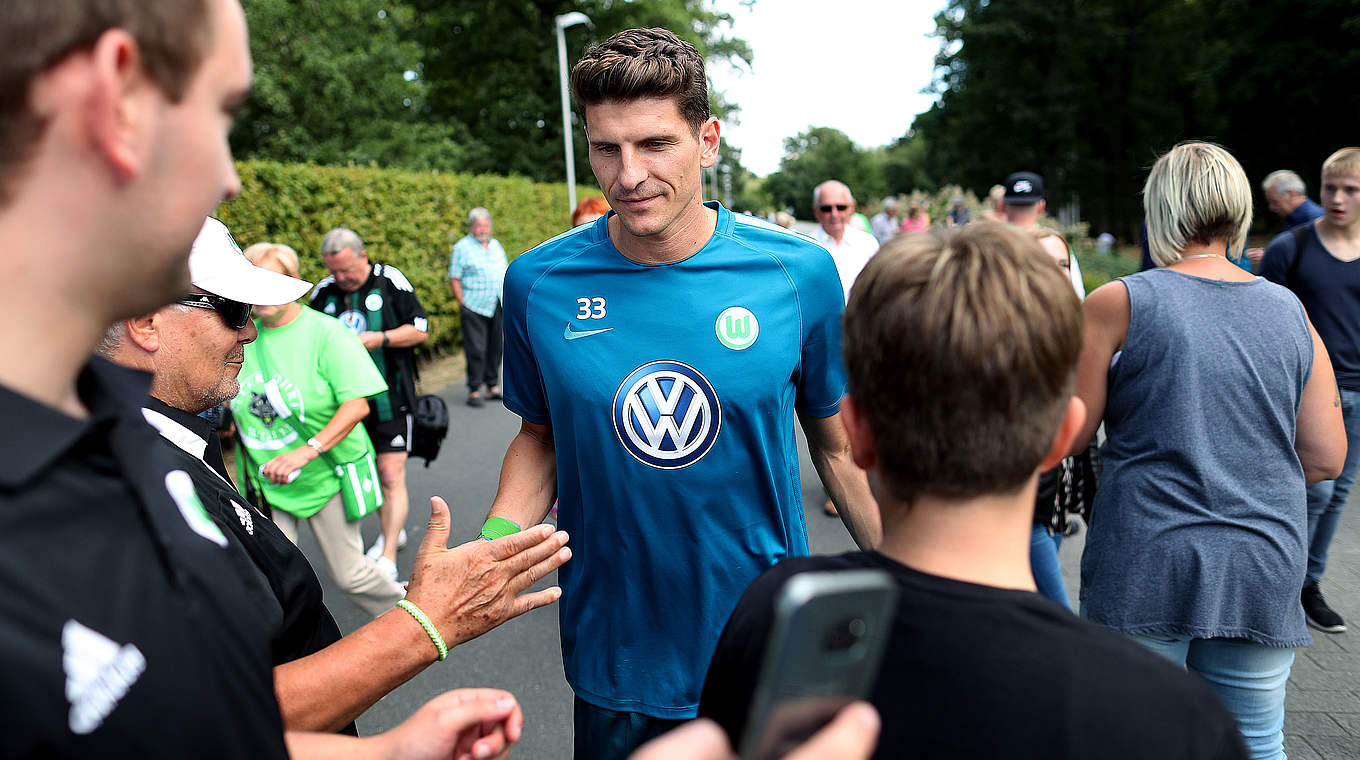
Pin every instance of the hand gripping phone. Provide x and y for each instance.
(829, 632)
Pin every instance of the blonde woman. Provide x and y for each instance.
(308, 367)
(1197, 546)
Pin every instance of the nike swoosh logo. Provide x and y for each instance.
(571, 334)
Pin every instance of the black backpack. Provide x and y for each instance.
(430, 428)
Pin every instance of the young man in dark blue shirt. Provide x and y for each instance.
(1320, 262)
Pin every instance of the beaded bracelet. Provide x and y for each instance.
(425, 623)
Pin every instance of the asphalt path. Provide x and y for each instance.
(522, 656)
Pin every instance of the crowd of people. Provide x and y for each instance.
(949, 384)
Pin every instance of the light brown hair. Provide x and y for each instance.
(173, 37)
(643, 63)
(961, 348)
(1344, 161)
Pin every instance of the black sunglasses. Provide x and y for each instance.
(234, 313)
(826, 209)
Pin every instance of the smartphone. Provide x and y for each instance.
(825, 646)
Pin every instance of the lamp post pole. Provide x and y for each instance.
(564, 21)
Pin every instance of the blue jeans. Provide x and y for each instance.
(1043, 563)
(1326, 499)
(1248, 677)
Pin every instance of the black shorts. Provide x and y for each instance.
(391, 436)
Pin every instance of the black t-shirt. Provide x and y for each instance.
(385, 301)
(979, 672)
(1329, 289)
(124, 628)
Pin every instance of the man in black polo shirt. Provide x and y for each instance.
(377, 302)
(125, 628)
(118, 632)
(194, 350)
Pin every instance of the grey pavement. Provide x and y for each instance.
(523, 656)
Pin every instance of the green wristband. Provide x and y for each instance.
(425, 623)
(498, 527)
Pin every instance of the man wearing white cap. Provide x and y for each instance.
(323, 681)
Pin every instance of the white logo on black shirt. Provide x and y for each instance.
(247, 521)
(99, 673)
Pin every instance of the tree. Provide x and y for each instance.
(819, 154)
(1089, 93)
(331, 86)
(492, 65)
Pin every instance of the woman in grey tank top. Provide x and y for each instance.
(1197, 540)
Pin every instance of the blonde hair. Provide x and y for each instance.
(278, 253)
(1196, 193)
(1344, 161)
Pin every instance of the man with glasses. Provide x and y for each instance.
(850, 247)
(194, 349)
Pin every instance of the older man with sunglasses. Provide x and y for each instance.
(322, 681)
(850, 247)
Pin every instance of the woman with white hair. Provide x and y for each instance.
(1197, 541)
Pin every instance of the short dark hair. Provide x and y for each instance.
(173, 37)
(961, 349)
(643, 63)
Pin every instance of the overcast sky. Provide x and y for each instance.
(856, 65)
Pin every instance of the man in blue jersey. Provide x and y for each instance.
(657, 358)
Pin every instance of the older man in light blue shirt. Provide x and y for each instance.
(476, 278)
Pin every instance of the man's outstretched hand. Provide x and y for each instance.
(464, 724)
(472, 588)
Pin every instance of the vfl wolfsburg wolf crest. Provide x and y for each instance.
(737, 328)
(667, 415)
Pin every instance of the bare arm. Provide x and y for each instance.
(401, 336)
(465, 591)
(456, 288)
(1107, 326)
(460, 724)
(1320, 439)
(528, 482)
(844, 481)
(349, 414)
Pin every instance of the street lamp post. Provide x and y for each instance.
(564, 21)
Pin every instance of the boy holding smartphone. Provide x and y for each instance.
(961, 351)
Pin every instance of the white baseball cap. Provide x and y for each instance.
(217, 265)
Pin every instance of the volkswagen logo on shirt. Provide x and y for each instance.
(667, 415)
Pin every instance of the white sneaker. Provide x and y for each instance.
(387, 567)
(375, 551)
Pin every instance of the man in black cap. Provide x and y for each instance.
(1025, 205)
(194, 349)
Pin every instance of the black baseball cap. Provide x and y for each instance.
(1024, 189)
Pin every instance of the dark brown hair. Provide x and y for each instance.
(173, 37)
(643, 63)
(961, 349)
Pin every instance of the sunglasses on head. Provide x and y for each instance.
(826, 208)
(234, 313)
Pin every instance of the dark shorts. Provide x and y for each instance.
(393, 435)
(603, 734)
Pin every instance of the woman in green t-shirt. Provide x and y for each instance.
(304, 389)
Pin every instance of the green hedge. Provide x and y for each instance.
(408, 219)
